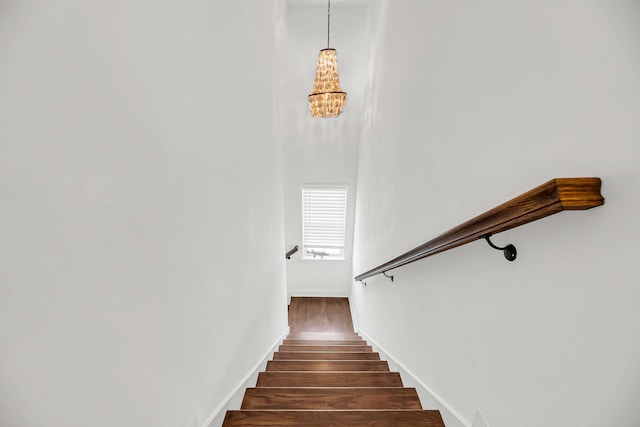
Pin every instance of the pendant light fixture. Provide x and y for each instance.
(327, 99)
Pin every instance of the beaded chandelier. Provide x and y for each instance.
(327, 99)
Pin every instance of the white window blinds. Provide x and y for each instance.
(323, 221)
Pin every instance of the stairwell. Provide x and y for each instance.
(328, 378)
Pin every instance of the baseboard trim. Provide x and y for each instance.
(353, 315)
(450, 416)
(238, 391)
(336, 293)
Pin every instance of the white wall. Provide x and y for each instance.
(311, 160)
(320, 151)
(142, 271)
(477, 103)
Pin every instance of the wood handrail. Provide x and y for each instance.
(555, 196)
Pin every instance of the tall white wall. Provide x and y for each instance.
(476, 103)
(320, 151)
(309, 159)
(142, 271)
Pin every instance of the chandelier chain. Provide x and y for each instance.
(328, 21)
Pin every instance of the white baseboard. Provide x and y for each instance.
(353, 315)
(336, 293)
(234, 399)
(428, 397)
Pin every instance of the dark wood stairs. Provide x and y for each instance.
(330, 379)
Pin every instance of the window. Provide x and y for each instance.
(324, 212)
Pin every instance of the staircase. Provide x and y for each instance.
(320, 379)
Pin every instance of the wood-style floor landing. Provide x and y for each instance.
(319, 315)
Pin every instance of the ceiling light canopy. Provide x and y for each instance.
(326, 98)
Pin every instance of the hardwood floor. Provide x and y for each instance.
(308, 314)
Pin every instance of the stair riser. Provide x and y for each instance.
(338, 365)
(324, 336)
(322, 342)
(298, 355)
(334, 418)
(349, 348)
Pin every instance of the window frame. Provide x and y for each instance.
(310, 257)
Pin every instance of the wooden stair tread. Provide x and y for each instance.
(299, 347)
(289, 341)
(401, 418)
(329, 379)
(324, 355)
(331, 398)
(327, 365)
